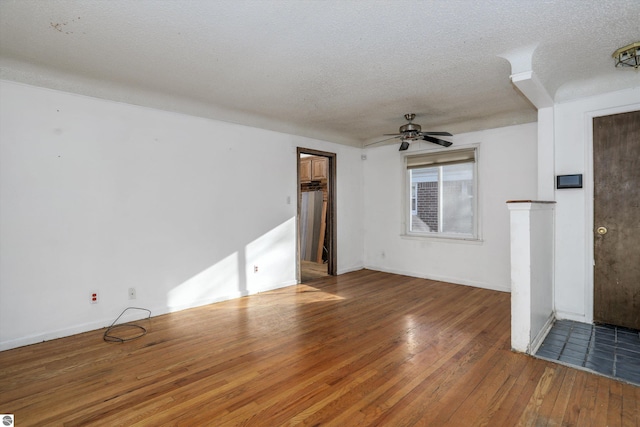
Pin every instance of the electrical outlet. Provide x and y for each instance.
(255, 268)
(132, 293)
(94, 297)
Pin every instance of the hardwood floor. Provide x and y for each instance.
(310, 270)
(365, 348)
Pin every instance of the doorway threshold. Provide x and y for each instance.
(603, 349)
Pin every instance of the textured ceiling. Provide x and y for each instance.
(344, 71)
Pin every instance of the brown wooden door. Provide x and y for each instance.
(616, 164)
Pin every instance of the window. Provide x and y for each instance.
(414, 198)
(442, 194)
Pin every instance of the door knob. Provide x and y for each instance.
(601, 230)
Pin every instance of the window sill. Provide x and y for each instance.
(444, 238)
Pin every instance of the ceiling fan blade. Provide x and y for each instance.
(382, 140)
(437, 133)
(404, 145)
(436, 140)
(389, 134)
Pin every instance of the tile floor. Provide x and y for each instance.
(608, 350)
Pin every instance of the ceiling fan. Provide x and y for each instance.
(413, 132)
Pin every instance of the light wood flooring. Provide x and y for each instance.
(310, 270)
(360, 349)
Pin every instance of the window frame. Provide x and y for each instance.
(407, 197)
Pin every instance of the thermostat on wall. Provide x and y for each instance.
(569, 181)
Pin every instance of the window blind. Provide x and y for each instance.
(441, 158)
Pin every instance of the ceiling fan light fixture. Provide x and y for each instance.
(410, 136)
(628, 56)
(411, 132)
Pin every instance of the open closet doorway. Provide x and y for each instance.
(316, 214)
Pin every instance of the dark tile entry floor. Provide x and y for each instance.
(608, 350)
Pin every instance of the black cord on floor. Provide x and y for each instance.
(111, 338)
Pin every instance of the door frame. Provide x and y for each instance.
(331, 209)
(589, 172)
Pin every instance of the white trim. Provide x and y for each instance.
(155, 311)
(536, 342)
(451, 238)
(349, 269)
(447, 279)
(441, 200)
(564, 315)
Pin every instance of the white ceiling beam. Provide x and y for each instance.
(529, 84)
(523, 77)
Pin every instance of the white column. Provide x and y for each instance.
(546, 155)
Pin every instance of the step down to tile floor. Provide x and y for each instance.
(608, 350)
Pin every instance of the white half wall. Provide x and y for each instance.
(531, 273)
(102, 196)
(574, 209)
(507, 165)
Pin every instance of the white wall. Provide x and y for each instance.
(574, 209)
(507, 163)
(98, 195)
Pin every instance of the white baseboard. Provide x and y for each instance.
(563, 315)
(103, 323)
(52, 335)
(349, 269)
(448, 279)
(538, 339)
